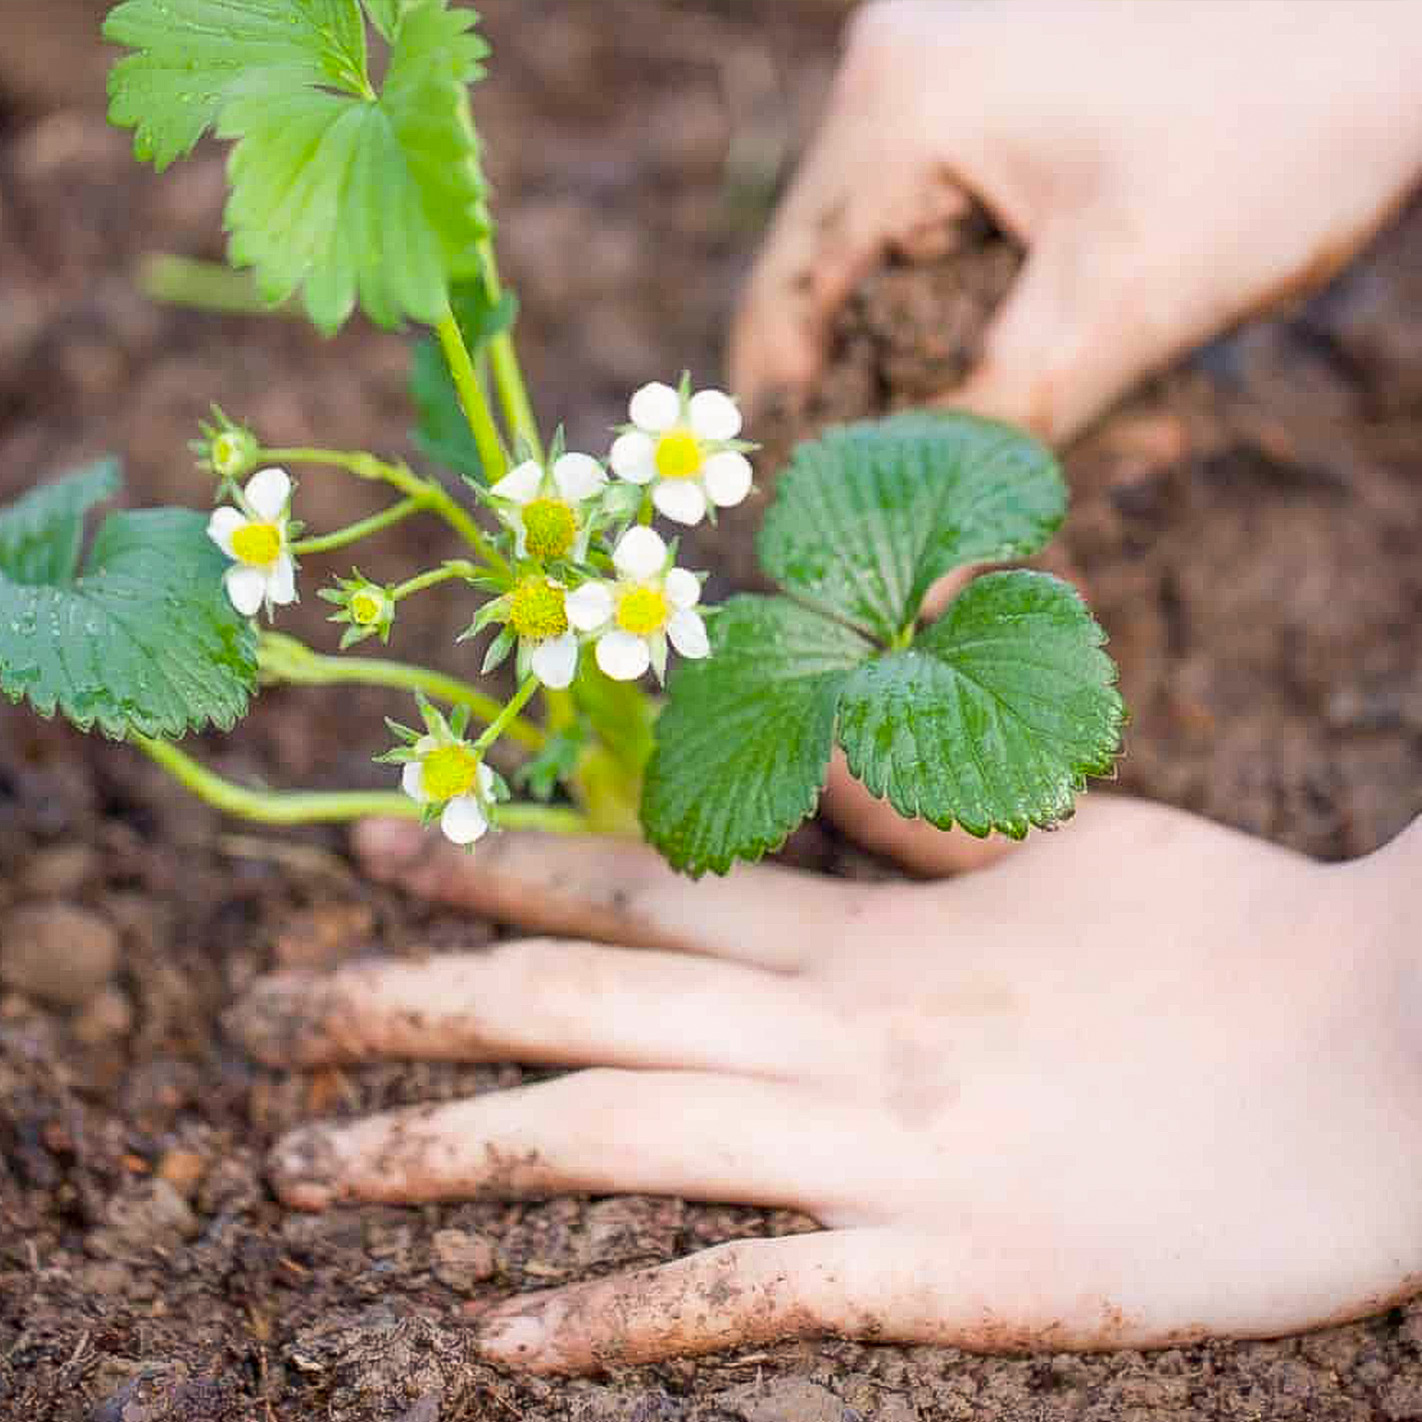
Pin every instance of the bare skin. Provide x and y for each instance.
(1145, 1081)
(1169, 166)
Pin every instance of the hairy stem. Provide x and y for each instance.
(508, 717)
(362, 528)
(503, 361)
(471, 398)
(400, 476)
(283, 658)
(455, 568)
(294, 807)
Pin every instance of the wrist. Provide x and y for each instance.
(1380, 896)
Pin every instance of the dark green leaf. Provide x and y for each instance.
(743, 745)
(995, 716)
(40, 533)
(143, 640)
(869, 514)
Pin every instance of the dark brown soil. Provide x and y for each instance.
(1248, 529)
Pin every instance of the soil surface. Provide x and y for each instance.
(1247, 528)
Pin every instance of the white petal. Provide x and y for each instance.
(714, 415)
(688, 634)
(222, 525)
(640, 553)
(520, 484)
(412, 781)
(281, 581)
(683, 589)
(425, 745)
(486, 781)
(578, 477)
(634, 457)
(727, 477)
(267, 492)
(247, 587)
(589, 606)
(680, 500)
(463, 820)
(555, 661)
(622, 656)
(655, 407)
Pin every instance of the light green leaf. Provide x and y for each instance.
(995, 716)
(144, 639)
(338, 192)
(743, 745)
(40, 533)
(193, 56)
(443, 432)
(868, 515)
(385, 15)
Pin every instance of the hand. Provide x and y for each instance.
(1170, 168)
(1144, 1081)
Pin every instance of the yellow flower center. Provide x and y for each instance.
(642, 611)
(678, 455)
(227, 454)
(549, 528)
(258, 544)
(538, 609)
(448, 772)
(367, 606)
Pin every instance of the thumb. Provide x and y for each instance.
(1067, 341)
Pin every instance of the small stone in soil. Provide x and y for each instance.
(461, 1260)
(57, 952)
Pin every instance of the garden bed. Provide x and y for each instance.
(1248, 529)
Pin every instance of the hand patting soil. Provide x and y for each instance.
(1248, 529)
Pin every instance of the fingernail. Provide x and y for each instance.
(302, 1168)
(385, 847)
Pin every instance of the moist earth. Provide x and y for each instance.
(1247, 527)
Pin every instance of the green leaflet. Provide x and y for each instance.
(868, 515)
(338, 193)
(743, 745)
(990, 719)
(143, 639)
(995, 716)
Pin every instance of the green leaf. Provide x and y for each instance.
(995, 716)
(743, 745)
(336, 192)
(443, 433)
(868, 515)
(40, 533)
(143, 640)
(193, 57)
(385, 15)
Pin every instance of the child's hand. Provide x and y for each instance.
(1146, 1080)
(1170, 167)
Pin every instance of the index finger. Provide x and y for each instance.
(621, 891)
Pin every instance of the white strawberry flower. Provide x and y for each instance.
(255, 536)
(683, 446)
(634, 617)
(535, 613)
(449, 772)
(550, 509)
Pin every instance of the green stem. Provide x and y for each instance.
(283, 658)
(503, 360)
(455, 568)
(471, 398)
(204, 286)
(362, 528)
(507, 719)
(436, 496)
(294, 807)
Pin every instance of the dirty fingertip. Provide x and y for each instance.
(385, 847)
(302, 1168)
(518, 1336)
(273, 1021)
